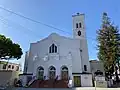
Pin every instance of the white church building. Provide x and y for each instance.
(62, 57)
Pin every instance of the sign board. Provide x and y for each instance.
(101, 84)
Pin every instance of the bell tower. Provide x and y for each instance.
(79, 32)
(78, 26)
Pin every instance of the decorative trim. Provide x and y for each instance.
(82, 73)
(26, 74)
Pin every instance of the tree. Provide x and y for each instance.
(108, 38)
(8, 49)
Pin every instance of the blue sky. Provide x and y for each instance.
(57, 13)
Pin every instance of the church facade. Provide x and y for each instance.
(62, 57)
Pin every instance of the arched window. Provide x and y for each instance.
(80, 25)
(76, 25)
(52, 72)
(53, 48)
(85, 67)
(40, 72)
(64, 73)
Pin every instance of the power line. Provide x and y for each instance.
(22, 27)
(33, 20)
(10, 11)
(30, 29)
(11, 26)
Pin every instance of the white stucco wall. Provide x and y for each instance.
(84, 53)
(65, 46)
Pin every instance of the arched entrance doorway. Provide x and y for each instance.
(52, 72)
(64, 73)
(40, 73)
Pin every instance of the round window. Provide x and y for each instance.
(79, 33)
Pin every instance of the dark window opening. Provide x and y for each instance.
(50, 50)
(53, 48)
(79, 33)
(12, 67)
(52, 68)
(80, 25)
(80, 50)
(85, 67)
(76, 25)
(17, 68)
(40, 68)
(9, 66)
